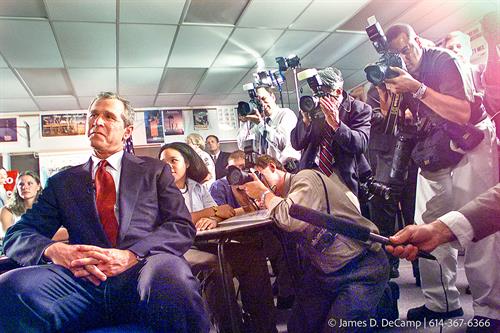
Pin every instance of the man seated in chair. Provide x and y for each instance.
(128, 229)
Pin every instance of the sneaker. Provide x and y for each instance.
(421, 313)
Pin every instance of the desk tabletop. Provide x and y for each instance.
(257, 219)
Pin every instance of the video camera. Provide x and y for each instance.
(377, 72)
(244, 108)
(310, 104)
(235, 176)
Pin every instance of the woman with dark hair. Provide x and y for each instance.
(26, 192)
(247, 260)
(189, 171)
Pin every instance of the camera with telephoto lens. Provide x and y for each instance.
(235, 176)
(368, 187)
(379, 71)
(245, 109)
(310, 104)
(292, 61)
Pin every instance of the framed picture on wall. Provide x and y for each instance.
(200, 119)
(154, 126)
(8, 129)
(173, 123)
(63, 124)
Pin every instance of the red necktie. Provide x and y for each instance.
(326, 159)
(105, 201)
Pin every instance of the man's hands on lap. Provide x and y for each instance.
(92, 263)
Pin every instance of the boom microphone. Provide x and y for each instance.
(342, 226)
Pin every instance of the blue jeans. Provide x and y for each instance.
(351, 293)
(159, 292)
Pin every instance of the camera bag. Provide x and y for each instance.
(434, 152)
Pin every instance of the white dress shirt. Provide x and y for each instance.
(460, 227)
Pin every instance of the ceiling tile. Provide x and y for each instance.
(206, 100)
(193, 41)
(25, 8)
(17, 105)
(139, 81)
(326, 15)
(233, 99)
(173, 100)
(140, 101)
(359, 57)
(293, 42)
(87, 44)
(354, 80)
(29, 44)
(245, 46)
(456, 16)
(215, 12)
(58, 103)
(3, 64)
(145, 45)
(85, 101)
(181, 80)
(272, 13)
(385, 10)
(82, 10)
(10, 87)
(248, 78)
(89, 82)
(47, 82)
(221, 80)
(332, 48)
(151, 11)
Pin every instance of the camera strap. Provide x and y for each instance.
(326, 191)
(392, 117)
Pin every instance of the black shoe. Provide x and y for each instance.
(467, 290)
(285, 303)
(394, 274)
(421, 313)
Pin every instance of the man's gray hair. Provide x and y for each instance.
(128, 115)
(332, 77)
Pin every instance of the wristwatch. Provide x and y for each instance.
(419, 94)
(216, 209)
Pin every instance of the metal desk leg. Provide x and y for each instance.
(222, 266)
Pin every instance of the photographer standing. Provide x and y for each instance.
(273, 127)
(332, 143)
(439, 92)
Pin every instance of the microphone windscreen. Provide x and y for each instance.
(332, 223)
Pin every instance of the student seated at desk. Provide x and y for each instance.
(27, 190)
(247, 260)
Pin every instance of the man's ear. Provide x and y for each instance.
(128, 132)
(419, 42)
(272, 167)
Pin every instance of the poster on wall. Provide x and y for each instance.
(172, 122)
(227, 118)
(154, 126)
(8, 130)
(200, 119)
(52, 163)
(10, 182)
(63, 124)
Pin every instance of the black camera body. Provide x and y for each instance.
(235, 176)
(368, 187)
(248, 108)
(310, 104)
(379, 71)
(292, 61)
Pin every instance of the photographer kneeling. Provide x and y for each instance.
(457, 159)
(345, 279)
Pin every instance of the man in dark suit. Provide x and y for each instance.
(128, 229)
(343, 131)
(219, 157)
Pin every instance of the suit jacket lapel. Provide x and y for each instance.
(129, 191)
